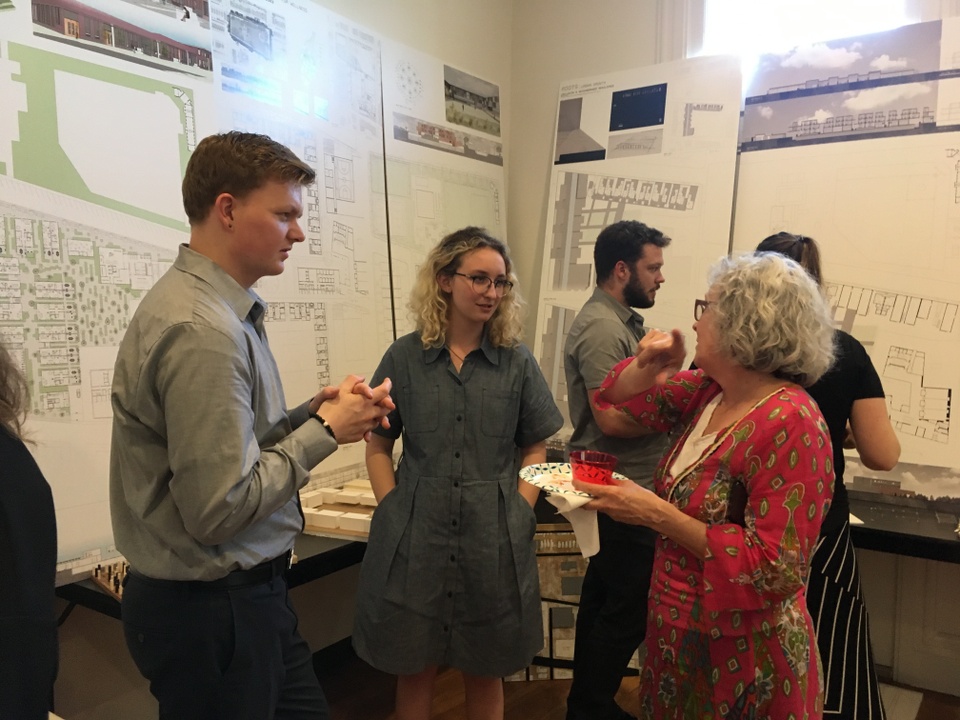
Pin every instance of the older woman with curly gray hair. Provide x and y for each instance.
(740, 495)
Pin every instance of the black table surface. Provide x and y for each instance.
(316, 557)
(888, 527)
(892, 527)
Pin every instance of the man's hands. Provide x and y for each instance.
(354, 409)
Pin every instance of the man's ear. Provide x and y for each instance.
(223, 209)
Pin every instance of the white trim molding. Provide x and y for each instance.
(679, 29)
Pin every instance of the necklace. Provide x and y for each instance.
(719, 440)
(457, 355)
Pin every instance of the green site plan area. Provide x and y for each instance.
(102, 135)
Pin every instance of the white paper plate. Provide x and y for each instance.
(555, 478)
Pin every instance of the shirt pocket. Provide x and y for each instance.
(498, 413)
(420, 409)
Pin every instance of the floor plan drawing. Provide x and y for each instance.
(586, 203)
(850, 301)
(68, 287)
(338, 177)
(915, 409)
(426, 202)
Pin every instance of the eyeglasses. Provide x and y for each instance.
(699, 306)
(481, 283)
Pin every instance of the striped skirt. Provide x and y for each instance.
(835, 601)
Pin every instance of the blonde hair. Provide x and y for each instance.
(429, 305)
(14, 395)
(772, 317)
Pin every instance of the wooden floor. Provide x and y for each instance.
(358, 692)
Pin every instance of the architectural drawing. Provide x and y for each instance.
(876, 86)
(150, 125)
(586, 203)
(92, 216)
(426, 202)
(551, 341)
(170, 36)
(854, 142)
(65, 287)
(916, 409)
(851, 302)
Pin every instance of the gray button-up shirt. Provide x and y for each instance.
(205, 460)
(604, 333)
(468, 424)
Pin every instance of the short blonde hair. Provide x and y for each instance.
(772, 317)
(428, 302)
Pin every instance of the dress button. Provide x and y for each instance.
(456, 483)
(459, 418)
(454, 523)
(453, 558)
(446, 628)
(456, 454)
(449, 593)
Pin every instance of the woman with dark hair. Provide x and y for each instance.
(28, 561)
(850, 393)
(740, 496)
(450, 573)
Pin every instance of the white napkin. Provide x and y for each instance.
(583, 522)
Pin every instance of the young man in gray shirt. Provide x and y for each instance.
(206, 461)
(611, 620)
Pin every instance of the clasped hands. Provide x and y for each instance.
(354, 409)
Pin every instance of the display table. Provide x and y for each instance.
(317, 557)
(890, 526)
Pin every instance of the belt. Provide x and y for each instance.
(258, 574)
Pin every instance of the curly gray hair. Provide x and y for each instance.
(772, 317)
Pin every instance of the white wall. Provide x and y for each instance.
(555, 41)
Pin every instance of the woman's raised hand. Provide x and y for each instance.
(661, 354)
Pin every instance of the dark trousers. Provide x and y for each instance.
(611, 621)
(214, 653)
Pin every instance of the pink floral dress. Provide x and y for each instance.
(730, 636)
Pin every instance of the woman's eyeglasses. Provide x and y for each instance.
(481, 283)
(699, 306)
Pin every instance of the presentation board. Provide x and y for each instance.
(856, 143)
(658, 145)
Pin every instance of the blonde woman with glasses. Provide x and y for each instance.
(450, 575)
